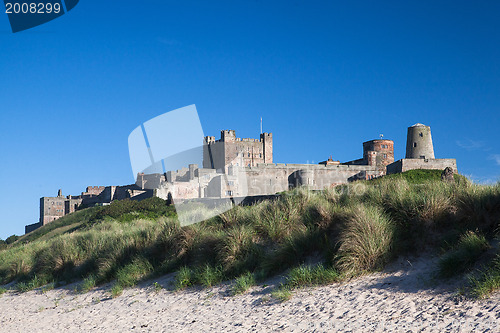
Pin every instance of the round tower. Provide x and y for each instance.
(419, 142)
(378, 153)
(306, 178)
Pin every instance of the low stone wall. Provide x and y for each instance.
(407, 164)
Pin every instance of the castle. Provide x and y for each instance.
(237, 168)
(52, 208)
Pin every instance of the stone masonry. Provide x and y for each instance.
(420, 153)
(230, 150)
(234, 167)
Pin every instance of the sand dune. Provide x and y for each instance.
(403, 298)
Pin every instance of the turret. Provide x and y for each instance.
(419, 142)
(378, 153)
(228, 135)
(267, 142)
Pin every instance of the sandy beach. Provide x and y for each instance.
(403, 298)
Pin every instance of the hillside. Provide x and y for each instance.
(310, 237)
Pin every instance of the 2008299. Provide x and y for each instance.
(32, 8)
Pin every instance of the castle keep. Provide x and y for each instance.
(239, 167)
(230, 150)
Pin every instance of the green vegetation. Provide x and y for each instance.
(184, 278)
(116, 290)
(3, 291)
(348, 230)
(282, 294)
(68, 223)
(304, 276)
(486, 280)
(32, 283)
(130, 274)
(463, 256)
(366, 241)
(129, 210)
(243, 283)
(419, 177)
(88, 284)
(11, 239)
(206, 275)
(157, 287)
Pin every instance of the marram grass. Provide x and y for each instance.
(350, 230)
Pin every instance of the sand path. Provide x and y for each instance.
(400, 299)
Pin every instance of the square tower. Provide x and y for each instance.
(230, 150)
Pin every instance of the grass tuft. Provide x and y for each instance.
(282, 294)
(116, 290)
(31, 284)
(304, 276)
(487, 280)
(130, 274)
(366, 241)
(463, 256)
(243, 283)
(88, 284)
(184, 278)
(209, 276)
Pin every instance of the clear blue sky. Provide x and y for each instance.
(324, 75)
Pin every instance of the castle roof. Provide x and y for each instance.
(419, 125)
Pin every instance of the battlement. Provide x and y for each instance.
(209, 139)
(248, 140)
(230, 136)
(230, 150)
(94, 190)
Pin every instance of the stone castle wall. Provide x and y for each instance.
(234, 167)
(264, 179)
(407, 164)
(230, 150)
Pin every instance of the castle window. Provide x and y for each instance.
(229, 192)
(248, 154)
(260, 155)
(414, 144)
(421, 134)
(230, 183)
(385, 156)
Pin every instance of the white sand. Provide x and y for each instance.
(401, 299)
